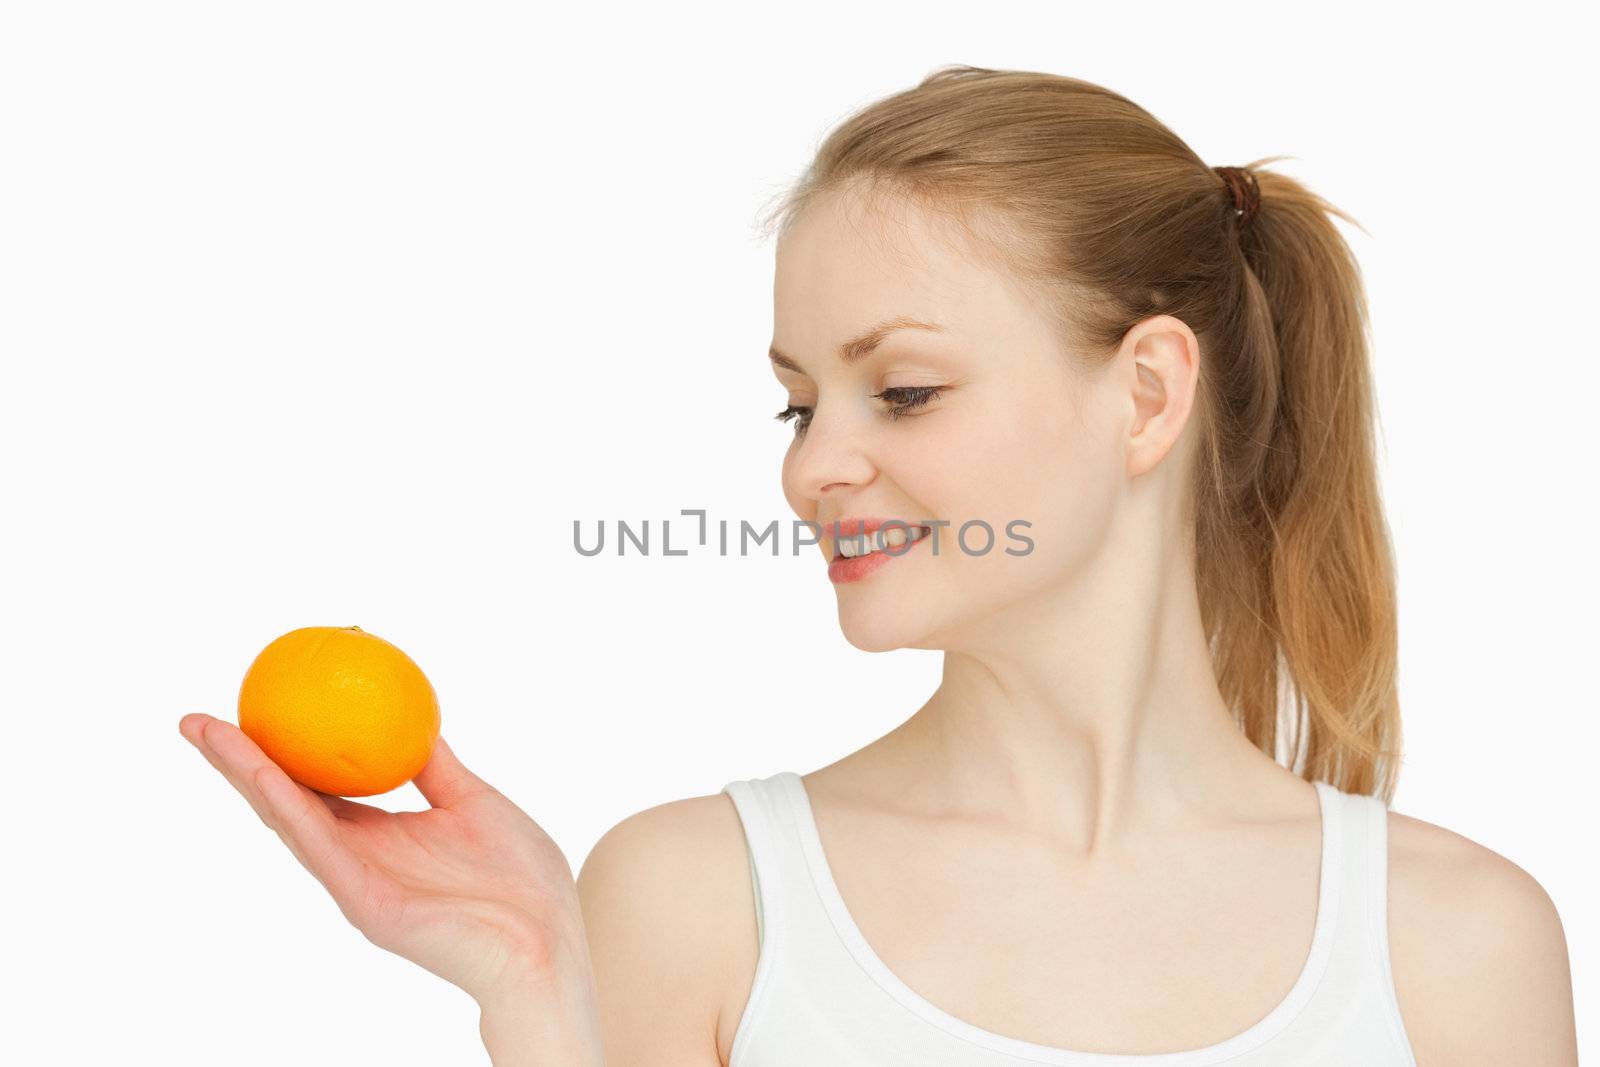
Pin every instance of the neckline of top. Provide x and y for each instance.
(1284, 1012)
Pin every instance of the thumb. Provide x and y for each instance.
(445, 781)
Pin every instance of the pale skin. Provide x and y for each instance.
(1159, 872)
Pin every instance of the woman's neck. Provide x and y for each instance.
(1095, 727)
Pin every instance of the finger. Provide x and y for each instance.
(308, 826)
(194, 729)
(305, 823)
(445, 781)
(189, 726)
(305, 820)
(349, 809)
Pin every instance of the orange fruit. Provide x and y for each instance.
(340, 710)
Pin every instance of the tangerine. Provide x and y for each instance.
(340, 710)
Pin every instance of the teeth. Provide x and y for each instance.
(894, 537)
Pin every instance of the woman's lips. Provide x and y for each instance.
(844, 568)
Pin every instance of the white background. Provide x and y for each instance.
(334, 313)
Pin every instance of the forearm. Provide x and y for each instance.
(545, 1019)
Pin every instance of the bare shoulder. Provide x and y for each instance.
(669, 911)
(1478, 952)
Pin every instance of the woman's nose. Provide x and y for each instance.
(830, 455)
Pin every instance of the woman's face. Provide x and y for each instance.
(1014, 436)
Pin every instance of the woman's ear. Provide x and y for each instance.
(1165, 356)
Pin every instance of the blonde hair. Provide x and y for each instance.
(1086, 195)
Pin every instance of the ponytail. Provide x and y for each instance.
(1293, 550)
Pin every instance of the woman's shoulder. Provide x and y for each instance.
(682, 860)
(695, 827)
(1477, 949)
(669, 911)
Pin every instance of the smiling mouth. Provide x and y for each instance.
(853, 547)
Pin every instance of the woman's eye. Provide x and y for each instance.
(793, 411)
(902, 400)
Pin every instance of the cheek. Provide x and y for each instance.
(1043, 466)
(802, 506)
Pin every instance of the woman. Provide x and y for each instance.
(1016, 303)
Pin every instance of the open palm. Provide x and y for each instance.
(469, 888)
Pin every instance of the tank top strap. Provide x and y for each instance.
(789, 909)
(1359, 971)
(756, 804)
(1345, 858)
(1362, 873)
(1374, 816)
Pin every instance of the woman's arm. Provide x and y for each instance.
(471, 889)
(669, 911)
(537, 1019)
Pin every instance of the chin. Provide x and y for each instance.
(885, 627)
(873, 642)
(876, 631)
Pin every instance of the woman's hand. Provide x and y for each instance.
(471, 889)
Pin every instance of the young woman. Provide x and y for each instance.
(1144, 818)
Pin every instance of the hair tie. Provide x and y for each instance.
(1246, 192)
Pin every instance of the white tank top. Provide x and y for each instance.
(822, 996)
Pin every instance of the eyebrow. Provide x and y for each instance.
(858, 348)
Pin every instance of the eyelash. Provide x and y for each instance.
(902, 400)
